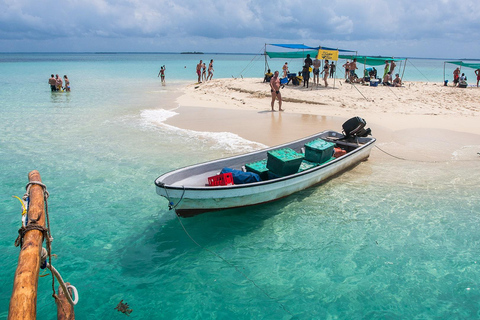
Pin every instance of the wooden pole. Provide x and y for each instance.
(23, 303)
(64, 308)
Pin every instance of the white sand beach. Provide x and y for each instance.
(415, 118)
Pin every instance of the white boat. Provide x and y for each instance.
(188, 193)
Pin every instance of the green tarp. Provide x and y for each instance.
(465, 64)
(292, 55)
(371, 61)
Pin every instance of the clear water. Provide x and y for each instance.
(389, 239)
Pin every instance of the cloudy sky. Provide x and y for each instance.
(412, 28)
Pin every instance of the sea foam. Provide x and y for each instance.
(225, 141)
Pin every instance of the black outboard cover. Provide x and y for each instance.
(355, 127)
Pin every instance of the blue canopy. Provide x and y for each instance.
(302, 46)
(294, 46)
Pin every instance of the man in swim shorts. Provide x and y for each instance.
(275, 90)
(53, 83)
(199, 70)
(352, 67)
(456, 76)
(477, 72)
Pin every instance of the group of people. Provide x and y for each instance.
(461, 80)
(202, 71)
(56, 83)
(328, 71)
(350, 74)
(387, 75)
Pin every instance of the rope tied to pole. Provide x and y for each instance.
(31, 226)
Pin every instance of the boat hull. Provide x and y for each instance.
(189, 201)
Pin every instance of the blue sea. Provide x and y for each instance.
(389, 239)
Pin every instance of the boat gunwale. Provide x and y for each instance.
(162, 185)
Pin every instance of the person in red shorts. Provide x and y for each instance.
(477, 72)
(456, 76)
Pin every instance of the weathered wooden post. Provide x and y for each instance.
(23, 303)
(65, 310)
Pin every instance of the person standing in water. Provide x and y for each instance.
(67, 83)
(53, 83)
(162, 74)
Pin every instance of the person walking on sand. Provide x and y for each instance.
(285, 69)
(275, 90)
(477, 73)
(199, 70)
(53, 83)
(210, 70)
(316, 71)
(162, 73)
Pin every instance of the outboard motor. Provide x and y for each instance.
(355, 127)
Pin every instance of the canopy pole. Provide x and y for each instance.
(23, 303)
(444, 63)
(404, 65)
(65, 310)
(265, 53)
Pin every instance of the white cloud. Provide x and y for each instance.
(210, 25)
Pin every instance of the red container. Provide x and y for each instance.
(224, 179)
(337, 152)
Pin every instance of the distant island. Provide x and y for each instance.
(191, 52)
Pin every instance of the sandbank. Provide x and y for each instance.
(422, 119)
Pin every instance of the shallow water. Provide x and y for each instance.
(388, 239)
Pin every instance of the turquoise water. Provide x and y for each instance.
(389, 239)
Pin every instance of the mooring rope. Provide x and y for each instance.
(60, 279)
(234, 266)
(170, 202)
(427, 161)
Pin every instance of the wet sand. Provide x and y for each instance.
(414, 124)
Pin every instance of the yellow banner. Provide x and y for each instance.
(328, 55)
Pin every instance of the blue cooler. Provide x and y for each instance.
(374, 82)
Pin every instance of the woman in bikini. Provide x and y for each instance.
(67, 83)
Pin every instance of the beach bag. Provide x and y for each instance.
(240, 177)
